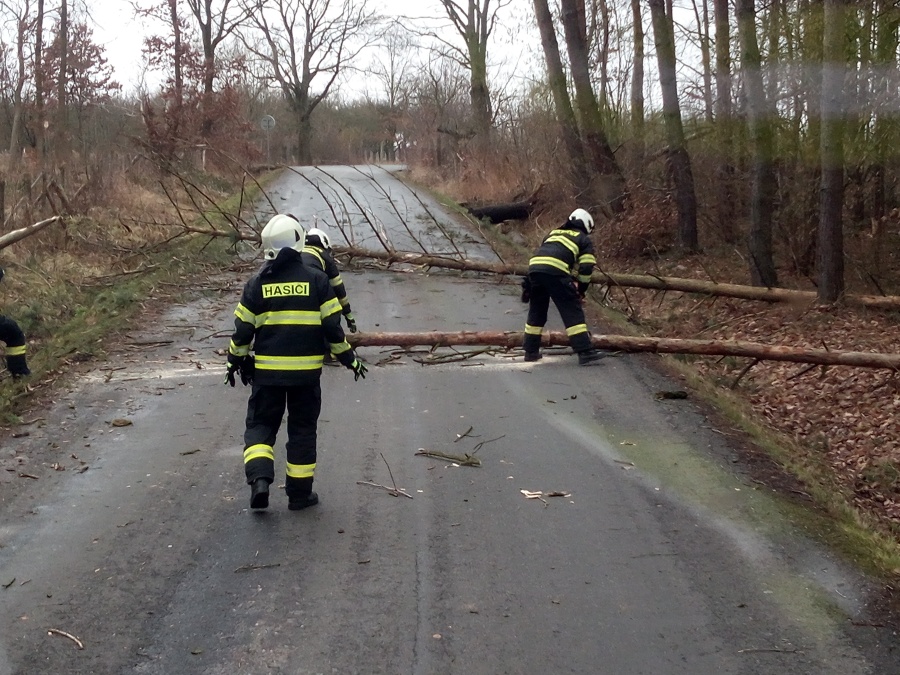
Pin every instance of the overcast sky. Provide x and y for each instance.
(117, 29)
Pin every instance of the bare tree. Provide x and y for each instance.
(565, 114)
(830, 256)
(637, 83)
(61, 141)
(761, 117)
(306, 44)
(216, 21)
(475, 20)
(19, 15)
(679, 160)
(601, 156)
(723, 116)
(392, 69)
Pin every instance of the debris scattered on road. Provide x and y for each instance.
(538, 494)
(189, 452)
(461, 436)
(9, 583)
(28, 475)
(458, 460)
(394, 491)
(55, 631)
(252, 567)
(121, 422)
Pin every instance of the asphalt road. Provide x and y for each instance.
(657, 557)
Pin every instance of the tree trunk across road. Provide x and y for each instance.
(627, 343)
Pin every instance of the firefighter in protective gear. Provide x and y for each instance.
(287, 313)
(14, 339)
(560, 270)
(317, 253)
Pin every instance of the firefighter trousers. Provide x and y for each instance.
(265, 409)
(14, 338)
(561, 289)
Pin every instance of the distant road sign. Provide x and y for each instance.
(267, 123)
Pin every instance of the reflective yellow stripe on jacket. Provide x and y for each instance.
(265, 362)
(550, 262)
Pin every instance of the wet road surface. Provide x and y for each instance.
(654, 557)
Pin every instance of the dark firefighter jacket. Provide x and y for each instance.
(566, 251)
(288, 311)
(322, 258)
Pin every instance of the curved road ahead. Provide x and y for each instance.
(656, 558)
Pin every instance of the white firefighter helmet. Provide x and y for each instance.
(320, 238)
(280, 232)
(584, 217)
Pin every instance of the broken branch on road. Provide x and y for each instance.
(55, 631)
(462, 460)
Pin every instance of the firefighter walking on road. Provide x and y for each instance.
(317, 253)
(14, 339)
(288, 313)
(560, 270)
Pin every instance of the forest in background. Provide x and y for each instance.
(729, 140)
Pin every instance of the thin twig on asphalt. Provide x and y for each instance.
(55, 631)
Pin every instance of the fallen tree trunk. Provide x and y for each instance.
(633, 280)
(27, 231)
(497, 213)
(627, 343)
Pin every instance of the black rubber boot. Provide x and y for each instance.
(297, 503)
(590, 356)
(533, 356)
(259, 494)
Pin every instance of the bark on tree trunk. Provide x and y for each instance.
(593, 132)
(685, 195)
(831, 236)
(760, 119)
(637, 85)
(628, 343)
(725, 168)
(565, 114)
(61, 137)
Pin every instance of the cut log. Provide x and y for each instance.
(627, 343)
(27, 231)
(652, 282)
(497, 213)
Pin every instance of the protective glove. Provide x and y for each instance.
(351, 323)
(248, 370)
(526, 289)
(239, 364)
(359, 369)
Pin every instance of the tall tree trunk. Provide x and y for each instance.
(760, 116)
(61, 137)
(479, 91)
(724, 125)
(885, 135)
(637, 85)
(40, 111)
(680, 161)
(702, 18)
(565, 114)
(604, 54)
(593, 133)
(831, 234)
